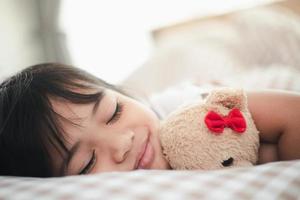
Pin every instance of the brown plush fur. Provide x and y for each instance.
(188, 143)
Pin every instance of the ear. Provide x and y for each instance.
(228, 97)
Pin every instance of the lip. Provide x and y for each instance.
(145, 156)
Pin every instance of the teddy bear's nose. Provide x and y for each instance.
(227, 162)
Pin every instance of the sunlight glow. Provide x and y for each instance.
(112, 38)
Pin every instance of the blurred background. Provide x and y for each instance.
(150, 45)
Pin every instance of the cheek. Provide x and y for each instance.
(143, 114)
(136, 113)
(150, 120)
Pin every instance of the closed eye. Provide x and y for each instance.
(90, 164)
(117, 114)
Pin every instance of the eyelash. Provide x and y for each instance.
(117, 114)
(92, 161)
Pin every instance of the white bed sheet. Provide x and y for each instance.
(279, 180)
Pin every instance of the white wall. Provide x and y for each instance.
(111, 38)
(20, 42)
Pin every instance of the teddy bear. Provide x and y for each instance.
(216, 133)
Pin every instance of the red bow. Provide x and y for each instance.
(233, 120)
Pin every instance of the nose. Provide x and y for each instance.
(122, 145)
(228, 162)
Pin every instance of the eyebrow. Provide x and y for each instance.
(96, 105)
(70, 155)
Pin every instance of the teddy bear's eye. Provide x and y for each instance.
(227, 162)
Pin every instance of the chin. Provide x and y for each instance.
(159, 161)
(160, 164)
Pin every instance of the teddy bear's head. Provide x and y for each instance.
(214, 134)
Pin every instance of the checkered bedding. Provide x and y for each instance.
(279, 180)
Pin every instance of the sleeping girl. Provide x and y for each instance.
(58, 120)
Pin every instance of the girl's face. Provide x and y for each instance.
(117, 134)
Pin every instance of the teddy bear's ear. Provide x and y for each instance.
(228, 97)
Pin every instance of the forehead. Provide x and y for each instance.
(73, 116)
(69, 122)
(68, 114)
(64, 108)
(57, 157)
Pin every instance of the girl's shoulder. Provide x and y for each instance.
(183, 93)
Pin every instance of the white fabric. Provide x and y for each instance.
(179, 95)
(280, 180)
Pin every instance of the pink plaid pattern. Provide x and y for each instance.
(279, 180)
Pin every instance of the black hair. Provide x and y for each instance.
(28, 124)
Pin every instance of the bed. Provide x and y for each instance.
(280, 180)
(244, 55)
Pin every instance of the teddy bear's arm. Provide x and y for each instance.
(277, 117)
